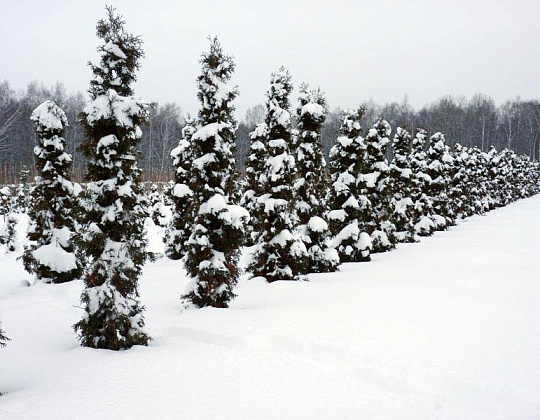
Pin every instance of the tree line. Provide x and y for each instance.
(475, 122)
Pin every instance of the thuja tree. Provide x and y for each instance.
(3, 338)
(400, 186)
(458, 192)
(181, 195)
(349, 209)
(493, 161)
(51, 253)
(255, 181)
(439, 164)
(376, 176)
(311, 184)
(213, 247)
(114, 238)
(423, 224)
(23, 191)
(280, 254)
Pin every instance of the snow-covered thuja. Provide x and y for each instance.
(439, 171)
(458, 189)
(157, 206)
(311, 184)
(400, 185)
(167, 192)
(179, 229)
(506, 179)
(5, 203)
(492, 168)
(423, 224)
(50, 255)
(376, 177)
(3, 338)
(348, 208)
(114, 234)
(279, 254)
(8, 233)
(255, 182)
(23, 197)
(218, 227)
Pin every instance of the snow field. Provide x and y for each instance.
(443, 329)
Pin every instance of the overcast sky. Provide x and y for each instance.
(354, 50)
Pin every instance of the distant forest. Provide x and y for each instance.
(472, 122)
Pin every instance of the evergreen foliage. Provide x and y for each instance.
(179, 229)
(114, 238)
(459, 183)
(439, 164)
(50, 256)
(5, 202)
(255, 182)
(311, 183)
(213, 247)
(8, 233)
(279, 254)
(3, 338)
(400, 185)
(376, 178)
(423, 224)
(348, 208)
(23, 191)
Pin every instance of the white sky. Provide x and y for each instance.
(354, 50)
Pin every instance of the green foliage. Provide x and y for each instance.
(114, 237)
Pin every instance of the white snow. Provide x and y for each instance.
(50, 116)
(317, 224)
(121, 108)
(113, 48)
(313, 109)
(443, 329)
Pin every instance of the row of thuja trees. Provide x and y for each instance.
(298, 215)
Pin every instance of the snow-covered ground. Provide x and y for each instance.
(445, 329)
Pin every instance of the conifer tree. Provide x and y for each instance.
(213, 247)
(3, 338)
(5, 202)
(459, 182)
(311, 184)
(167, 192)
(154, 204)
(51, 253)
(23, 191)
(255, 182)
(423, 224)
(8, 233)
(438, 170)
(114, 236)
(349, 209)
(493, 161)
(279, 254)
(376, 177)
(400, 185)
(179, 229)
